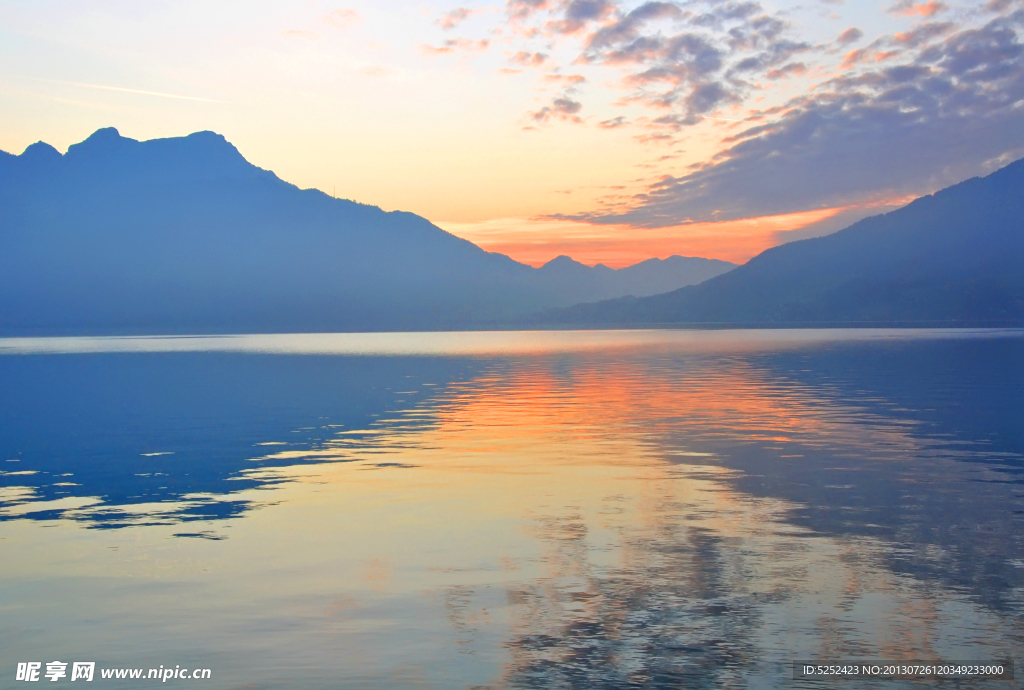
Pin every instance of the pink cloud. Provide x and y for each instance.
(528, 59)
(909, 8)
(343, 18)
(454, 45)
(452, 19)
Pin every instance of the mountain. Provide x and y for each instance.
(955, 257)
(185, 235)
(563, 276)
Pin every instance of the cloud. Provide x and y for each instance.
(562, 108)
(628, 27)
(871, 54)
(909, 8)
(568, 79)
(342, 18)
(688, 58)
(851, 35)
(141, 92)
(577, 14)
(923, 33)
(1000, 5)
(455, 17)
(454, 45)
(528, 59)
(695, 59)
(792, 69)
(910, 125)
(522, 9)
(613, 123)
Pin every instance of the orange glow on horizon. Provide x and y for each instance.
(535, 241)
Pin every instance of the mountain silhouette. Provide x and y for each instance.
(185, 235)
(955, 257)
(566, 277)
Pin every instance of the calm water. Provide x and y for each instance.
(512, 510)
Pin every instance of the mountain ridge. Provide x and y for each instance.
(955, 256)
(183, 234)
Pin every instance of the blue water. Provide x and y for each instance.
(511, 510)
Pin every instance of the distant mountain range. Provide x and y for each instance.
(952, 258)
(184, 235)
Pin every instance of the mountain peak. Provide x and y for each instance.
(40, 152)
(562, 261)
(203, 154)
(103, 143)
(104, 134)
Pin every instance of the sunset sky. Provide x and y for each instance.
(608, 131)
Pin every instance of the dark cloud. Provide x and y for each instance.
(720, 14)
(695, 58)
(562, 108)
(789, 70)
(628, 28)
(577, 14)
(851, 35)
(936, 115)
(1000, 5)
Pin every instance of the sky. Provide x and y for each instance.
(608, 131)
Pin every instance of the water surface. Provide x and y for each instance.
(512, 510)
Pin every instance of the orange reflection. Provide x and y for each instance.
(557, 481)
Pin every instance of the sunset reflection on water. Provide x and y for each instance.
(656, 516)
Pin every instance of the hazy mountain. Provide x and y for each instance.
(183, 234)
(954, 257)
(651, 277)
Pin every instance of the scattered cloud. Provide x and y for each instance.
(528, 59)
(522, 9)
(1000, 5)
(909, 8)
(567, 79)
(454, 45)
(577, 14)
(695, 59)
(935, 115)
(613, 123)
(923, 34)
(342, 18)
(867, 55)
(851, 35)
(455, 17)
(562, 108)
(790, 70)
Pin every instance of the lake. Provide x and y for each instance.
(656, 509)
